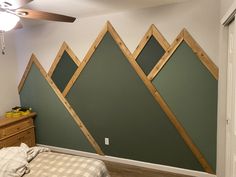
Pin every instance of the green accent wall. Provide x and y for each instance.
(150, 55)
(191, 93)
(54, 125)
(64, 71)
(112, 101)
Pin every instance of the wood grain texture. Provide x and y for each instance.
(85, 60)
(22, 81)
(65, 103)
(160, 38)
(64, 48)
(143, 42)
(184, 134)
(147, 81)
(174, 120)
(6, 121)
(14, 131)
(166, 56)
(159, 99)
(204, 58)
(130, 57)
(119, 42)
(40, 15)
(152, 31)
(124, 170)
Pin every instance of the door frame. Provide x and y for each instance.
(225, 21)
(231, 100)
(229, 15)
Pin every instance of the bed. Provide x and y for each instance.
(41, 162)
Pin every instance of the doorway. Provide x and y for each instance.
(231, 103)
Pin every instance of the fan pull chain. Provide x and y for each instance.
(3, 47)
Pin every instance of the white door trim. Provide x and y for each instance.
(229, 15)
(230, 113)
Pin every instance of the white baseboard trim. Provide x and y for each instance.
(130, 162)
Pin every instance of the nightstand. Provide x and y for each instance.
(14, 131)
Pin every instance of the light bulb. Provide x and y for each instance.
(8, 21)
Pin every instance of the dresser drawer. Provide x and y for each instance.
(26, 137)
(13, 129)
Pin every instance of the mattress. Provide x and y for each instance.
(51, 164)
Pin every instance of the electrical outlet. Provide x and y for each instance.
(107, 141)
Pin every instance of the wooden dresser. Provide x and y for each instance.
(14, 131)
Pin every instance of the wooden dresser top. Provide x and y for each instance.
(6, 121)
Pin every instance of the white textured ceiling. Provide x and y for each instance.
(85, 8)
(88, 8)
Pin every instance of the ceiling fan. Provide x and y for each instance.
(11, 12)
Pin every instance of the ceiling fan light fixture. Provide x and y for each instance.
(8, 21)
(22, 13)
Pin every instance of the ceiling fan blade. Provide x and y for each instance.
(34, 14)
(18, 26)
(13, 4)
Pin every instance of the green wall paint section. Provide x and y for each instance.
(54, 125)
(150, 55)
(191, 92)
(113, 102)
(64, 71)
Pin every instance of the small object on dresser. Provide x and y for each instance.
(8, 114)
(18, 112)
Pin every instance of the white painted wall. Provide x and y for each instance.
(200, 19)
(8, 69)
(224, 6)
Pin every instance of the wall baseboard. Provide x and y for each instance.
(130, 162)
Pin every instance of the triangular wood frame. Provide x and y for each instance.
(34, 60)
(64, 48)
(109, 28)
(203, 57)
(152, 31)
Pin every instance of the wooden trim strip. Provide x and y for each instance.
(161, 102)
(183, 133)
(72, 55)
(147, 82)
(57, 59)
(152, 31)
(157, 68)
(160, 38)
(28, 67)
(204, 58)
(119, 42)
(85, 60)
(130, 58)
(63, 48)
(143, 42)
(66, 104)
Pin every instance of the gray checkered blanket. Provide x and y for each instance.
(14, 160)
(51, 164)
